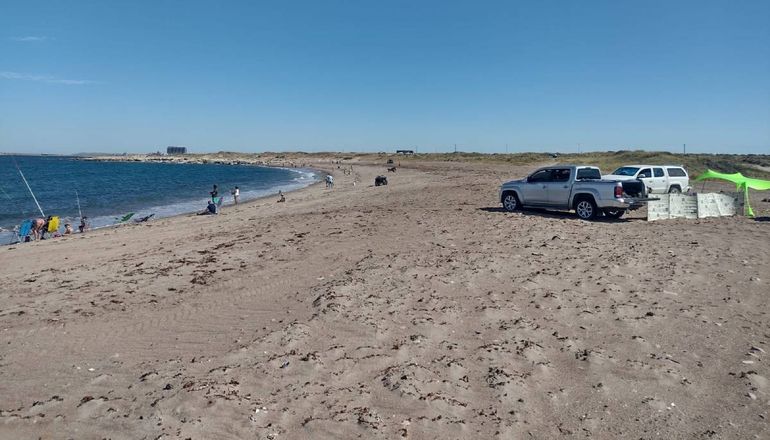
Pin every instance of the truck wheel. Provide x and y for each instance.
(510, 202)
(674, 190)
(586, 208)
(614, 213)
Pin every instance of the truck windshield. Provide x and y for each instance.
(625, 171)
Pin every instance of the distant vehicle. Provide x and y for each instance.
(573, 187)
(390, 162)
(658, 179)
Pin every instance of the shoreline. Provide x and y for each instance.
(8, 235)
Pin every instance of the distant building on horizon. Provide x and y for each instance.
(405, 152)
(176, 150)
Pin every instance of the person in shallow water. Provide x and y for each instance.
(236, 193)
(214, 193)
(67, 229)
(83, 225)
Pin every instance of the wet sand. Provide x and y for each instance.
(418, 310)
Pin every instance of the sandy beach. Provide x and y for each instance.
(417, 310)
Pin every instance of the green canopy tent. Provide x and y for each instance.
(742, 183)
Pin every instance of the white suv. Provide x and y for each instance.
(657, 178)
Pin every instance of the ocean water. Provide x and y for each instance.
(109, 190)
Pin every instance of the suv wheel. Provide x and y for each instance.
(586, 209)
(674, 190)
(510, 202)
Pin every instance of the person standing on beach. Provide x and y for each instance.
(214, 193)
(37, 227)
(236, 193)
(83, 225)
(45, 227)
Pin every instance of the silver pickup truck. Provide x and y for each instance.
(567, 187)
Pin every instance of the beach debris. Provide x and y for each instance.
(144, 219)
(125, 218)
(285, 364)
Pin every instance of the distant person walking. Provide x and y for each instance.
(236, 193)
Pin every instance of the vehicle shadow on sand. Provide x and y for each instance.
(540, 212)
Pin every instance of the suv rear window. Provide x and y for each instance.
(676, 172)
(589, 174)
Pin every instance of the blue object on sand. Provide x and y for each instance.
(25, 228)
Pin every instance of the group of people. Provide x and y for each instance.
(215, 202)
(39, 227)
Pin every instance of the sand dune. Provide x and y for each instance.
(418, 310)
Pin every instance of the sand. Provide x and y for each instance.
(418, 310)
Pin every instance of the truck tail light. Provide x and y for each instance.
(618, 191)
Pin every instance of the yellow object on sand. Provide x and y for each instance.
(53, 224)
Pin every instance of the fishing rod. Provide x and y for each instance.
(77, 197)
(30, 189)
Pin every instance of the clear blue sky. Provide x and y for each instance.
(376, 75)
